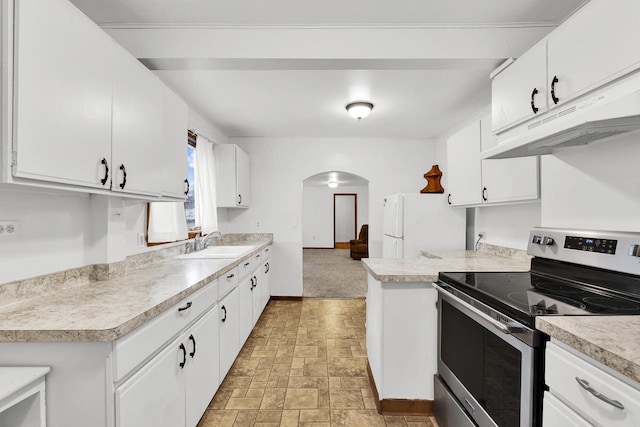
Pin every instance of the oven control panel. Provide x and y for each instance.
(590, 244)
(610, 250)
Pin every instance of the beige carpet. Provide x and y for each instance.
(331, 273)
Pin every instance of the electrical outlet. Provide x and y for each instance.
(257, 224)
(9, 228)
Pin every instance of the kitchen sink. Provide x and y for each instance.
(218, 252)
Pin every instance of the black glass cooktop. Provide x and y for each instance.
(524, 295)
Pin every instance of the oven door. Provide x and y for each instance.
(489, 371)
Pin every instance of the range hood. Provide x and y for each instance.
(608, 113)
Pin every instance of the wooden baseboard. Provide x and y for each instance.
(342, 245)
(399, 406)
(285, 298)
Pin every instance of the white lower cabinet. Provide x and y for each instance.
(557, 414)
(581, 393)
(202, 369)
(245, 288)
(229, 325)
(155, 395)
(176, 386)
(265, 289)
(403, 362)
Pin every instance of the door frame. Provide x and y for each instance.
(355, 211)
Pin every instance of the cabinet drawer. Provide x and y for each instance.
(564, 373)
(141, 343)
(557, 414)
(245, 268)
(266, 253)
(228, 281)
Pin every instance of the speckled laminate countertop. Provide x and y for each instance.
(613, 341)
(107, 310)
(426, 269)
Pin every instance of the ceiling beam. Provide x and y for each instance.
(310, 48)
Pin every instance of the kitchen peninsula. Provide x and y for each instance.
(402, 322)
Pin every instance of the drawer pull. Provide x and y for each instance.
(184, 356)
(246, 264)
(585, 385)
(231, 276)
(186, 307)
(193, 340)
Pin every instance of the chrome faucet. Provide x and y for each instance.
(203, 242)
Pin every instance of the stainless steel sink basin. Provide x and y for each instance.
(218, 252)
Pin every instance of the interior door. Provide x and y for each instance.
(344, 219)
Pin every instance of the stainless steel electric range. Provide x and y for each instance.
(490, 356)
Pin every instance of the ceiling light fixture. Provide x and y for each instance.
(359, 110)
(332, 184)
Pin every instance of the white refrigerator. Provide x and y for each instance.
(416, 222)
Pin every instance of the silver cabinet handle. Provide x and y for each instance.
(585, 385)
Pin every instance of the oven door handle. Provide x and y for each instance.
(505, 329)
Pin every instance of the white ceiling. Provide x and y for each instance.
(288, 67)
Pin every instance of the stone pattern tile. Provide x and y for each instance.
(304, 364)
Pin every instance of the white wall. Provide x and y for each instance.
(54, 233)
(596, 186)
(317, 213)
(507, 225)
(278, 168)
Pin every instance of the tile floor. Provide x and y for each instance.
(303, 365)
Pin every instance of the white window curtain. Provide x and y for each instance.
(205, 191)
(167, 222)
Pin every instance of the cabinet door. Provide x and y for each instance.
(137, 128)
(257, 291)
(155, 395)
(265, 292)
(463, 159)
(229, 331)
(232, 170)
(203, 368)
(174, 153)
(62, 95)
(242, 178)
(246, 291)
(594, 46)
(507, 180)
(514, 89)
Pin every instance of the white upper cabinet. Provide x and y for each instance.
(463, 160)
(475, 182)
(507, 180)
(84, 114)
(596, 45)
(174, 153)
(233, 178)
(62, 130)
(520, 91)
(137, 139)
(592, 48)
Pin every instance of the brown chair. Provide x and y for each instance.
(360, 247)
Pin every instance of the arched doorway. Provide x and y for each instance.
(335, 204)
